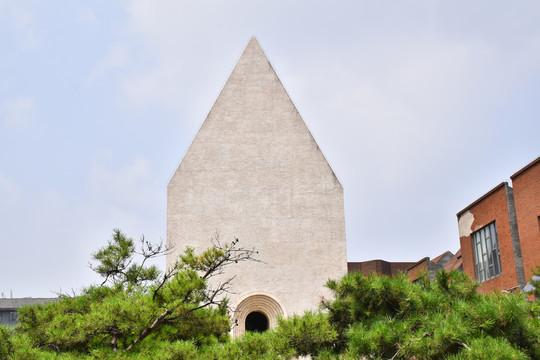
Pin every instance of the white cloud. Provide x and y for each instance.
(154, 86)
(165, 59)
(25, 30)
(117, 57)
(126, 196)
(87, 17)
(130, 189)
(9, 191)
(19, 112)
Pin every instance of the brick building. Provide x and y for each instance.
(500, 232)
(379, 266)
(447, 261)
(526, 183)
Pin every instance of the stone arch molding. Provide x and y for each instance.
(263, 303)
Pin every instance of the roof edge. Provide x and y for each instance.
(425, 259)
(525, 168)
(504, 183)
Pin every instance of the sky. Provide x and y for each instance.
(420, 107)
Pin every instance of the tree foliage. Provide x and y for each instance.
(138, 312)
(392, 318)
(116, 262)
(534, 282)
(136, 301)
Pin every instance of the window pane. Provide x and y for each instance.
(485, 260)
(496, 265)
(488, 241)
(479, 267)
(493, 230)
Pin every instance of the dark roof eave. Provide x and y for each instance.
(527, 167)
(418, 263)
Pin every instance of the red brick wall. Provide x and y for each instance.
(413, 273)
(492, 207)
(526, 184)
(380, 267)
(370, 266)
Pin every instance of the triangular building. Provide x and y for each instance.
(255, 172)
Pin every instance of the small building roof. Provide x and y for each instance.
(15, 303)
(454, 263)
(444, 258)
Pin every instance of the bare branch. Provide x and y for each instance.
(210, 264)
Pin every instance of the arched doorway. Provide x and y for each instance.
(256, 322)
(256, 313)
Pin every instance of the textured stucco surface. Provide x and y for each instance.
(255, 172)
(465, 224)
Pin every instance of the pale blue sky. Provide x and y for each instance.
(419, 106)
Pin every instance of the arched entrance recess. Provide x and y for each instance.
(256, 321)
(253, 309)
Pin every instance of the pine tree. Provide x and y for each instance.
(136, 302)
(393, 318)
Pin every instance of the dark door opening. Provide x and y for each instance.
(256, 322)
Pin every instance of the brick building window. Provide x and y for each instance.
(487, 260)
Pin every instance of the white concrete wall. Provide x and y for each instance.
(255, 172)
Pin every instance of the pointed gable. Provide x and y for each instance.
(253, 113)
